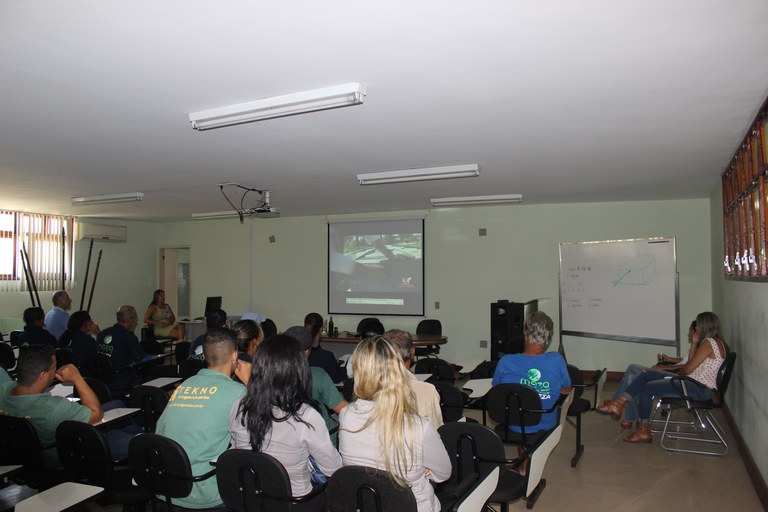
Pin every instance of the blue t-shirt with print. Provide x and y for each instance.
(546, 373)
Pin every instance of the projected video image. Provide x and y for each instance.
(372, 272)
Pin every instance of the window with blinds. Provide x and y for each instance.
(45, 241)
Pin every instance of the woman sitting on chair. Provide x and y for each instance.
(160, 316)
(278, 416)
(381, 428)
(666, 365)
(703, 367)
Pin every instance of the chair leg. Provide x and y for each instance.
(531, 499)
(579, 446)
(705, 420)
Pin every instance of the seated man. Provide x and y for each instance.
(427, 398)
(36, 370)
(123, 349)
(56, 319)
(544, 372)
(320, 357)
(323, 389)
(216, 319)
(34, 332)
(197, 415)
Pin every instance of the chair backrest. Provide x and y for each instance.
(253, 482)
(511, 404)
(577, 381)
(160, 466)
(7, 357)
(430, 327)
(439, 369)
(152, 402)
(484, 370)
(365, 489)
(538, 456)
(99, 387)
(15, 338)
(190, 367)
(84, 452)
(451, 400)
(20, 444)
(473, 448)
(369, 326)
(724, 375)
(476, 497)
(102, 365)
(181, 351)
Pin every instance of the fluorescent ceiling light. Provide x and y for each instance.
(344, 95)
(424, 174)
(477, 200)
(215, 215)
(108, 198)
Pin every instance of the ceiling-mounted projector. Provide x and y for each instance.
(263, 210)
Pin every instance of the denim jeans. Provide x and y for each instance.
(119, 438)
(654, 383)
(631, 373)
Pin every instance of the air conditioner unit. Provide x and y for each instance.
(103, 232)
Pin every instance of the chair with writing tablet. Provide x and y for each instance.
(704, 428)
(365, 489)
(20, 444)
(580, 405)
(161, 467)
(86, 456)
(251, 481)
(152, 402)
(430, 327)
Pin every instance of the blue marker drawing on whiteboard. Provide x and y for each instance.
(638, 271)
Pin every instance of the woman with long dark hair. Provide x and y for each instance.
(278, 416)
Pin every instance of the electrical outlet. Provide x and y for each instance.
(437, 305)
(483, 343)
(482, 232)
(272, 239)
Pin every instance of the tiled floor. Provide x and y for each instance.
(616, 476)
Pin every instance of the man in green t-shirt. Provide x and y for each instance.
(197, 415)
(36, 370)
(323, 389)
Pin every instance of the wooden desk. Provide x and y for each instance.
(419, 340)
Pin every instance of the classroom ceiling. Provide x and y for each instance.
(560, 101)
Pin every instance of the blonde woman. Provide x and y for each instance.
(381, 428)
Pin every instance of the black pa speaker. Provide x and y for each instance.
(507, 324)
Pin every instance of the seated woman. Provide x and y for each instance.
(80, 345)
(278, 417)
(249, 337)
(633, 370)
(381, 428)
(702, 366)
(160, 317)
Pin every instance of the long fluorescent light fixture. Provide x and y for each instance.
(108, 198)
(477, 200)
(344, 95)
(423, 174)
(214, 215)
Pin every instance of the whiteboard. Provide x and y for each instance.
(620, 289)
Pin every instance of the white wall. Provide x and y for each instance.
(742, 309)
(517, 260)
(127, 275)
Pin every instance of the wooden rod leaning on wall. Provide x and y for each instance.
(85, 279)
(93, 285)
(31, 276)
(62, 258)
(26, 276)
